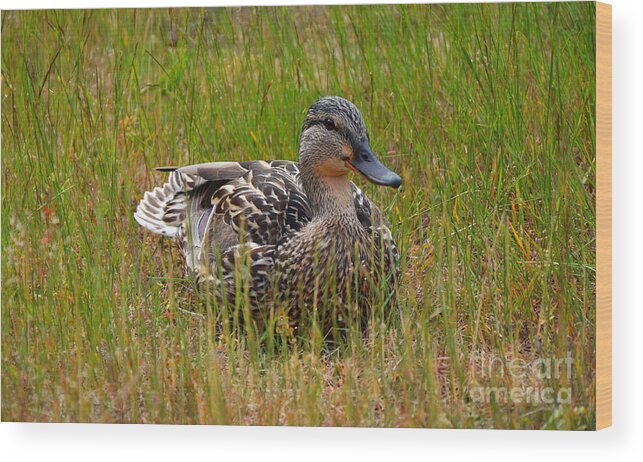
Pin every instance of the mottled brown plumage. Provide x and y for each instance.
(299, 236)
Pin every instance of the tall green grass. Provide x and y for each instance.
(487, 111)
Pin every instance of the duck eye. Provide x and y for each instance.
(329, 124)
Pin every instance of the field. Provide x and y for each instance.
(487, 111)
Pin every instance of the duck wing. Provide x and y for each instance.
(265, 204)
(226, 202)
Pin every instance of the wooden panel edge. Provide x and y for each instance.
(603, 215)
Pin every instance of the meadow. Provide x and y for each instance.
(486, 111)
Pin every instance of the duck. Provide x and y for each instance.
(286, 237)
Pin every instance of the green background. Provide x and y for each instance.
(487, 111)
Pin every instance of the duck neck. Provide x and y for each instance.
(330, 197)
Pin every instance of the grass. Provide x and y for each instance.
(487, 111)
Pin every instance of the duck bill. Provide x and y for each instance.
(365, 163)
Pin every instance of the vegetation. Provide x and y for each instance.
(487, 111)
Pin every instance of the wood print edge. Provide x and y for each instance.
(603, 215)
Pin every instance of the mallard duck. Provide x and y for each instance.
(295, 233)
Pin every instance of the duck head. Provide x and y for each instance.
(334, 141)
